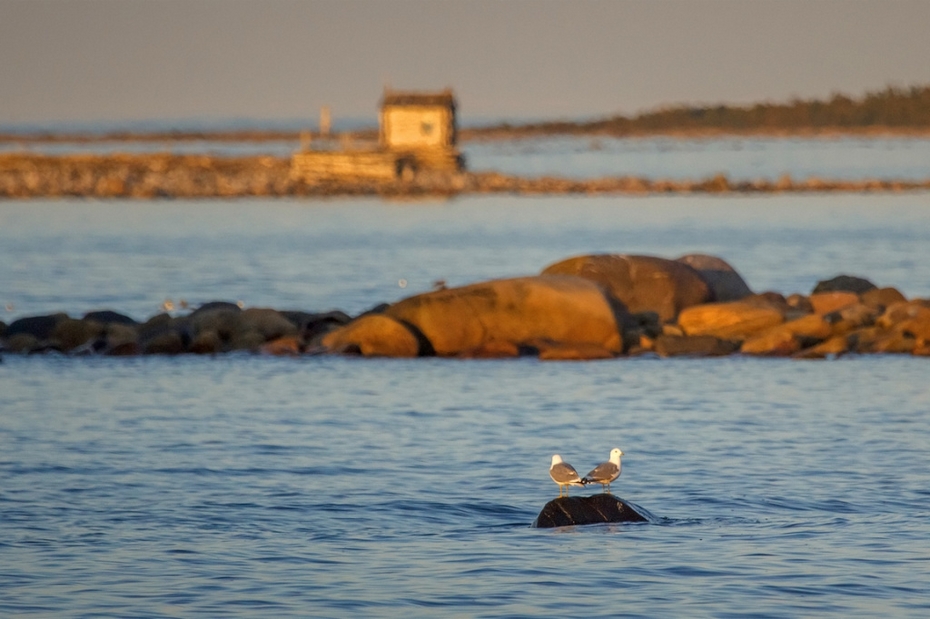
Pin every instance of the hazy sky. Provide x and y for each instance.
(88, 60)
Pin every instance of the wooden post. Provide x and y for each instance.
(325, 121)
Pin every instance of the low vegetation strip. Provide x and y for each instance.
(147, 176)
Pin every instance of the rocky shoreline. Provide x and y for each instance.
(600, 306)
(149, 176)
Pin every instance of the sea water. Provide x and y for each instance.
(249, 486)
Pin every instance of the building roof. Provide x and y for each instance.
(444, 98)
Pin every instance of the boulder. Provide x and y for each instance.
(641, 283)
(374, 335)
(24, 343)
(788, 338)
(270, 323)
(916, 322)
(851, 317)
(168, 342)
(289, 346)
(826, 302)
(833, 347)
(556, 308)
(40, 327)
(897, 313)
(725, 283)
(594, 509)
(847, 283)
(693, 346)
(108, 317)
(312, 326)
(876, 340)
(882, 298)
(70, 333)
(216, 305)
(800, 303)
(736, 320)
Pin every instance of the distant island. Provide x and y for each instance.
(892, 110)
(889, 111)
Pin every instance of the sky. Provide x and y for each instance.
(84, 61)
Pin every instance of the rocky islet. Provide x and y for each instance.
(599, 306)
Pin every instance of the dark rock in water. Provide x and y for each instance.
(313, 325)
(40, 327)
(108, 317)
(725, 283)
(595, 509)
(216, 305)
(844, 283)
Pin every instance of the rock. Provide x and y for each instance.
(594, 509)
(916, 322)
(24, 343)
(40, 327)
(223, 321)
(374, 335)
(556, 308)
(121, 339)
(290, 345)
(789, 337)
(641, 283)
(312, 326)
(107, 317)
(724, 282)
(876, 340)
(851, 317)
(498, 350)
(556, 351)
(216, 305)
(270, 323)
(826, 302)
(847, 283)
(168, 342)
(800, 303)
(736, 320)
(207, 342)
(901, 312)
(882, 298)
(69, 334)
(693, 346)
(834, 347)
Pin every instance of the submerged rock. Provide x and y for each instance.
(595, 509)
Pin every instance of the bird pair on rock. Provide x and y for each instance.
(565, 474)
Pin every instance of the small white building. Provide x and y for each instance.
(417, 134)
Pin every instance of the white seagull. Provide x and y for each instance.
(605, 472)
(564, 474)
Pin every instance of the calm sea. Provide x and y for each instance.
(247, 486)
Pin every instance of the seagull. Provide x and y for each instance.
(563, 474)
(605, 472)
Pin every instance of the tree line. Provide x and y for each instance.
(898, 108)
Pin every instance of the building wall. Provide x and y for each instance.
(416, 127)
(373, 165)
